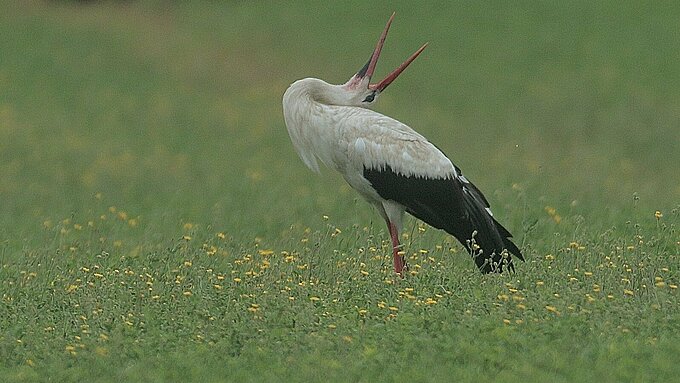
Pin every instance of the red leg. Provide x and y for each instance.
(399, 261)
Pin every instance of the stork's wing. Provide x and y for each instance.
(405, 168)
(375, 141)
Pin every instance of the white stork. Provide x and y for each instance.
(391, 165)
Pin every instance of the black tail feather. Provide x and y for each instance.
(489, 243)
(454, 205)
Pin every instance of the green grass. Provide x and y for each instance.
(156, 224)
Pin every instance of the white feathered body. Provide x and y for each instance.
(391, 165)
(349, 139)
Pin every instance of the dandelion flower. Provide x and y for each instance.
(552, 309)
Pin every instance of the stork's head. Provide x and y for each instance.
(359, 88)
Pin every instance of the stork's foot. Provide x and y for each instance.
(400, 265)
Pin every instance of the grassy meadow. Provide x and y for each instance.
(156, 224)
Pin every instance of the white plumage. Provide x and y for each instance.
(392, 166)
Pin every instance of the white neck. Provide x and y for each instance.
(303, 105)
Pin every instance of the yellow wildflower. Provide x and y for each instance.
(552, 309)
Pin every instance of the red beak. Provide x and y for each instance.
(369, 68)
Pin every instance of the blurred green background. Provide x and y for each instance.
(171, 110)
(157, 225)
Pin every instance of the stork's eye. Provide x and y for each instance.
(370, 97)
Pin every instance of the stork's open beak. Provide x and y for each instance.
(369, 68)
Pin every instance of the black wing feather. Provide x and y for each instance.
(453, 205)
